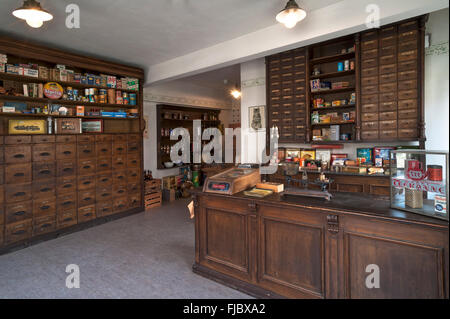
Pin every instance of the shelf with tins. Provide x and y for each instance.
(332, 58)
(333, 108)
(332, 74)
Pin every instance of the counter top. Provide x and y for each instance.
(341, 202)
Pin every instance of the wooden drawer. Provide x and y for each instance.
(18, 173)
(119, 149)
(86, 139)
(43, 170)
(388, 31)
(86, 197)
(119, 177)
(66, 185)
(388, 68)
(372, 89)
(133, 147)
(368, 81)
(119, 138)
(86, 166)
(407, 65)
(43, 139)
(384, 116)
(119, 190)
(66, 218)
(407, 46)
(369, 45)
(407, 123)
(407, 75)
(388, 50)
(388, 87)
(133, 161)
(369, 117)
(43, 225)
(388, 41)
(369, 135)
(17, 154)
(407, 55)
(103, 180)
(44, 207)
(103, 138)
(19, 139)
(369, 126)
(388, 59)
(66, 151)
(104, 208)
(407, 133)
(387, 78)
(18, 232)
(407, 94)
(369, 63)
(388, 96)
(43, 152)
(86, 213)
(104, 164)
(18, 211)
(66, 138)
(120, 204)
(18, 193)
(103, 149)
(407, 36)
(86, 182)
(134, 188)
(66, 201)
(133, 175)
(104, 194)
(407, 113)
(407, 104)
(66, 167)
(388, 125)
(369, 99)
(134, 200)
(369, 35)
(369, 72)
(369, 54)
(85, 150)
(44, 188)
(388, 106)
(407, 85)
(388, 134)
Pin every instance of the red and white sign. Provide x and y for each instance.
(419, 185)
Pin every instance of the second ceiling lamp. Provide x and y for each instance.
(291, 14)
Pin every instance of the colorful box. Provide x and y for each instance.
(365, 154)
(80, 110)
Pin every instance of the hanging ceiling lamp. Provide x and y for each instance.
(291, 14)
(32, 13)
(235, 92)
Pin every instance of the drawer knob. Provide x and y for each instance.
(46, 189)
(45, 154)
(19, 232)
(88, 214)
(86, 151)
(19, 194)
(104, 150)
(120, 149)
(19, 156)
(105, 180)
(44, 207)
(104, 165)
(121, 191)
(87, 199)
(105, 194)
(87, 183)
(19, 174)
(20, 213)
(45, 172)
(67, 152)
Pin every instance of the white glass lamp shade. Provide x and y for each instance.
(291, 15)
(32, 13)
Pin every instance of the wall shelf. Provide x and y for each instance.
(62, 102)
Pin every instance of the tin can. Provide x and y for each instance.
(352, 65)
(340, 66)
(346, 65)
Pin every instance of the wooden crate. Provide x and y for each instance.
(153, 200)
(152, 186)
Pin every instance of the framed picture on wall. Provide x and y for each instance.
(257, 118)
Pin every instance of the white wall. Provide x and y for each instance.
(436, 82)
(180, 93)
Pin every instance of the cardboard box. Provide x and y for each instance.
(2, 67)
(31, 72)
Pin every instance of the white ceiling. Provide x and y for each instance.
(143, 32)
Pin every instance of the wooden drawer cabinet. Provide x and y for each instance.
(86, 182)
(66, 201)
(388, 51)
(369, 45)
(2, 175)
(369, 117)
(407, 55)
(85, 150)
(66, 151)
(43, 152)
(86, 213)
(39, 139)
(104, 164)
(120, 204)
(66, 218)
(17, 154)
(44, 207)
(388, 125)
(104, 208)
(369, 99)
(119, 177)
(119, 149)
(369, 135)
(2, 216)
(119, 138)
(388, 134)
(16, 212)
(66, 138)
(369, 54)
(407, 65)
(18, 173)
(369, 63)
(407, 46)
(104, 180)
(86, 197)
(103, 138)
(104, 194)
(103, 149)
(369, 81)
(19, 139)
(369, 89)
(86, 139)
(388, 59)
(66, 185)
(18, 193)
(388, 96)
(43, 170)
(388, 41)
(66, 168)
(17, 232)
(44, 188)
(44, 224)
(407, 104)
(2, 155)
(119, 190)
(86, 166)
(408, 123)
(407, 75)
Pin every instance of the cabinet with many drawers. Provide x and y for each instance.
(48, 182)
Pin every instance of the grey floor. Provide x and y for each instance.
(147, 255)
